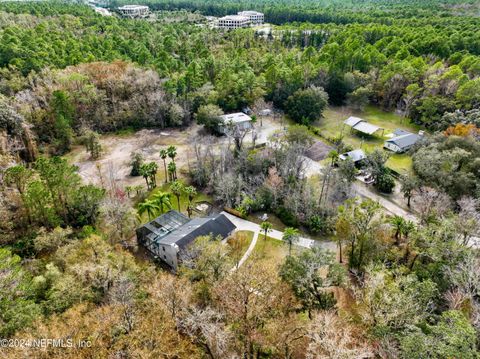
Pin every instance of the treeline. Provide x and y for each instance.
(427, 68)
(328, 11)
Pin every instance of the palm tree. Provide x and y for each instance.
(145, 173)
(172, 170)
(333, 155)
(266, 227)
(153, 168)
(138, 188)
(189, 210)
(407, 228)
(162, 199)
(129, 189)
(177, 187)
(148, 206)
(163, 156)
(398, 223)
(191, 193)
(172, 152)
(290, 236)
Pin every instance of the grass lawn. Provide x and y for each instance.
(400, 162)
(332, 125)
(239, 243)
(272, 218)
(272, 249)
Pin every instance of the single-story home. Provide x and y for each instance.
(237, 119)
(402, 141)
(357, 156)
(361, 125)
(168, 235)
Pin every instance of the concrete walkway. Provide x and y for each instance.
(244, 225)
(247, 253)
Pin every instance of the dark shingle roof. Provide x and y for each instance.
(175, 228)
(217, 225)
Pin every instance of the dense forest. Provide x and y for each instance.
(395, 286)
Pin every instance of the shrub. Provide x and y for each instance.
(385, 183)
(287, 217)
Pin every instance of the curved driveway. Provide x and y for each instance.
(244, 225)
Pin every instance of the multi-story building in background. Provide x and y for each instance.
(233, 22)
(255, 17)
(134, 11)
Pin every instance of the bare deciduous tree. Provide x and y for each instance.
(431, 203)
(331, 337)
(207, 329)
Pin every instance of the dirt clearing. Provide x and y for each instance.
(116, 149)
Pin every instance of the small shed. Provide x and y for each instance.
(239, 120)
(357, 156)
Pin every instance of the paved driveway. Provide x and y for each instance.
(244, 225)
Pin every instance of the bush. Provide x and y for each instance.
(317, 224)
(385, 183)
(287, 217)
(136, 162)
(209, 116)
(306, 106)
(234, 212)
(263, 199)
(316, 131)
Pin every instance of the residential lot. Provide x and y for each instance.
(332, 126)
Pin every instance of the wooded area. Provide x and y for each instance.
(336, 258)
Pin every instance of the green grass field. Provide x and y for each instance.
(239, 243)
(165, 187)
(272, 218)
(332, 126)
(272, 249)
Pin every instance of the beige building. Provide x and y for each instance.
(231, 22)
(255, 17)
(134, 11)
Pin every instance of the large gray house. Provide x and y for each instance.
(169, 234)
(402, 141)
